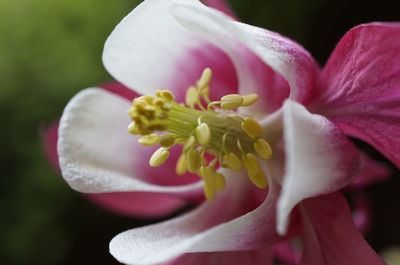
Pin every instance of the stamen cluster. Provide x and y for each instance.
(233, 141)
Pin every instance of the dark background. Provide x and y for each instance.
(49, 50)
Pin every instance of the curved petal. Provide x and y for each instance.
(330, 237)
(254, 257)
(360, 86)
(148, 205)
(138, 204)
(362, 211)
(187, 72)
(371, 172)
(97, 154)
(120, 90)
(287, 253)
(319, 159)
(149, 50)
(213, 227)
(222, 6)
(285, 57)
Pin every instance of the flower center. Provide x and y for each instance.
(233, 141)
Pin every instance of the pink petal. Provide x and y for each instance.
(285, 57)
(286, 253)
(330, 237)
(97, 154)
(222, 6)
(255, 257)
(187, 72)
(149, 50)
(319, 159)
(49, 139)
(362, 212)
(360, 86)
(371, 172)
(213, 227)
(138, 204)
(120, 90)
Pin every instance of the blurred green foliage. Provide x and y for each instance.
(49, 50)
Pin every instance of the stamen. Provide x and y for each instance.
(167, 140)
(159, 157)
(252, 128)
(233, 140)
(149, 140)
(203, 134)
(231, 101)
(193, 161)
(249, 100)
(181, 165)
(263, 148)
(232, 161)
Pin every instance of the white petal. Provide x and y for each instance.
(319, 159)
(96, 152)
(286, 57)
(144, 49)
(211, 227)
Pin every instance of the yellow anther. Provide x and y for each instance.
(133, 129)
(139, 119)
(159, 102)
(208, 175)
(192, 97)
(205, 78)
(231, 101)
(219, 181)
(193, 160)
(203, 134)
(147, 99)
(191, 141)
(166, 94)
(251, 164)
(249, 100)
(149, 139)
(263, 148)
(258, 179)
(252, 128)
(159, 157)
(233, 161)
(166, 106)
(139, 102)
(181, 165)
(206, 171)
(132, 111)
(167, 140)
(204, 92)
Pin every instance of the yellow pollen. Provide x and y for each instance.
(202, 127)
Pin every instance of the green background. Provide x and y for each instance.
(49, 50)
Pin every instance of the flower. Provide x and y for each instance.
(305, 114)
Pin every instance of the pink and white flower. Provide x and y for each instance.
(306, 114)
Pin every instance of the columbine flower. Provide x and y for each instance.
(277, 145)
